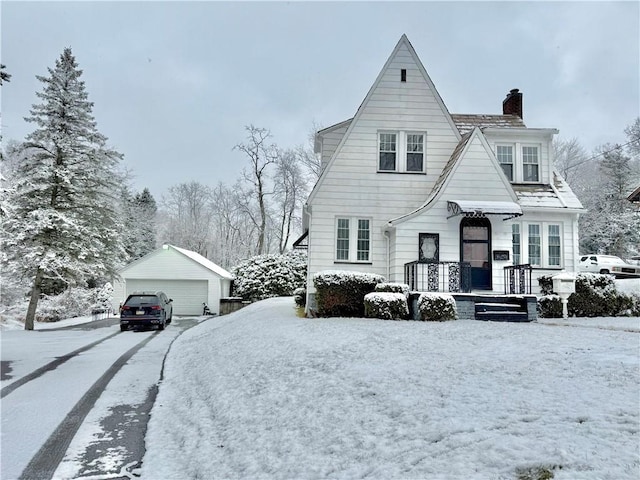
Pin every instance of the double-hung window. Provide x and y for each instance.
(388, 152)
(530, 164)
(505, 158)
(402, 152)
(553, 245)
(515, 240)
(353, 239)
(415, 152)
(535, 244)
(539, 244)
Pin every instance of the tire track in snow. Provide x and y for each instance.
(45, 462)
(51, 366)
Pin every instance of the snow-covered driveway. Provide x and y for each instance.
(262, 393)
(89, 410)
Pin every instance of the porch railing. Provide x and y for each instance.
(438, 276)
(517, 279)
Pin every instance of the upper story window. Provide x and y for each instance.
(387, 146)
(520, 163)
(505, 158)
(401, 152)
(530, 164)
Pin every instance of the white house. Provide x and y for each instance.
(185, 276)
(405, 182)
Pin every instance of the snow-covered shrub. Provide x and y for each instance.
(300, 296)
(437, 307)
(393, 287)
(386, 305)
(266, 276)
(549, 306)
(595, 296)
(341, 293)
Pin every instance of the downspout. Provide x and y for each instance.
(388, 239)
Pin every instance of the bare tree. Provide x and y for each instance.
(290, 193)
(261, 155)
(188, 216)
(569, 156)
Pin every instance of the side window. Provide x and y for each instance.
(387, 152)
(530, 164)
(553, 240)
(342, 239)
(505, 158)
(515, 240)
(415, 152)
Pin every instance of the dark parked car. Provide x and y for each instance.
(146, 309)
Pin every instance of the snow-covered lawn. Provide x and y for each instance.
(262, 393)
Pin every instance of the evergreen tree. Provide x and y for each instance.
(64, 225)
(4, 76)
(143, 210)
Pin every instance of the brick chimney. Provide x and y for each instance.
(512, 105)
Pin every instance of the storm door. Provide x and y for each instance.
(475, 246)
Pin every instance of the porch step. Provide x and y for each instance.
(502, 316)
(501, 309)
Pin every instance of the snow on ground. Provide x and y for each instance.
(262, 393)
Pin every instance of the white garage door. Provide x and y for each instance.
(188, 295)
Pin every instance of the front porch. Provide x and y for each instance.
(516, 304)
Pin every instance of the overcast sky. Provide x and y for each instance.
(175, 83)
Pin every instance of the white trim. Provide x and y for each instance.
(544, 243)
(353, 239)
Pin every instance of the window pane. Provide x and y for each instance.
(534, 244)
(387, 151)
(363, 240)
(415, 152)
(508, 171)
(530, 164)
(515, 240)
(342, 242)
(554, 245)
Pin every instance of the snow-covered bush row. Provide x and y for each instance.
(437, 307)
(386, 305)
(393, 287)
(73, 302)
(266, 276)
(341, 293)
(595, 296)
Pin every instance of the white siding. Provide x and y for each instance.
(330, 141)
(353, 187)
(476, 177)
(169, 265)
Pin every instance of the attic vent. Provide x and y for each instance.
(403, 75)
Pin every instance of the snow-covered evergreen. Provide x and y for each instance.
(64, 222)
(266, 276)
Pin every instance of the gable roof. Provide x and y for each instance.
(206, 263)
(449, 170)
(403, 42)
(192, 256)
(466, 122)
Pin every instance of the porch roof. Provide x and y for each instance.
(477, 208)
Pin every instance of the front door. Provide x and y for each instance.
(475, 246)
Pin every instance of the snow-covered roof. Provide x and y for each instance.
(557, 195)
(208, 264)
(466, 122)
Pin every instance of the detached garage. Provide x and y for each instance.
(185, 276)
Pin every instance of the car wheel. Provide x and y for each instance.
(604, 271)
(161, 326)
(123, 328)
